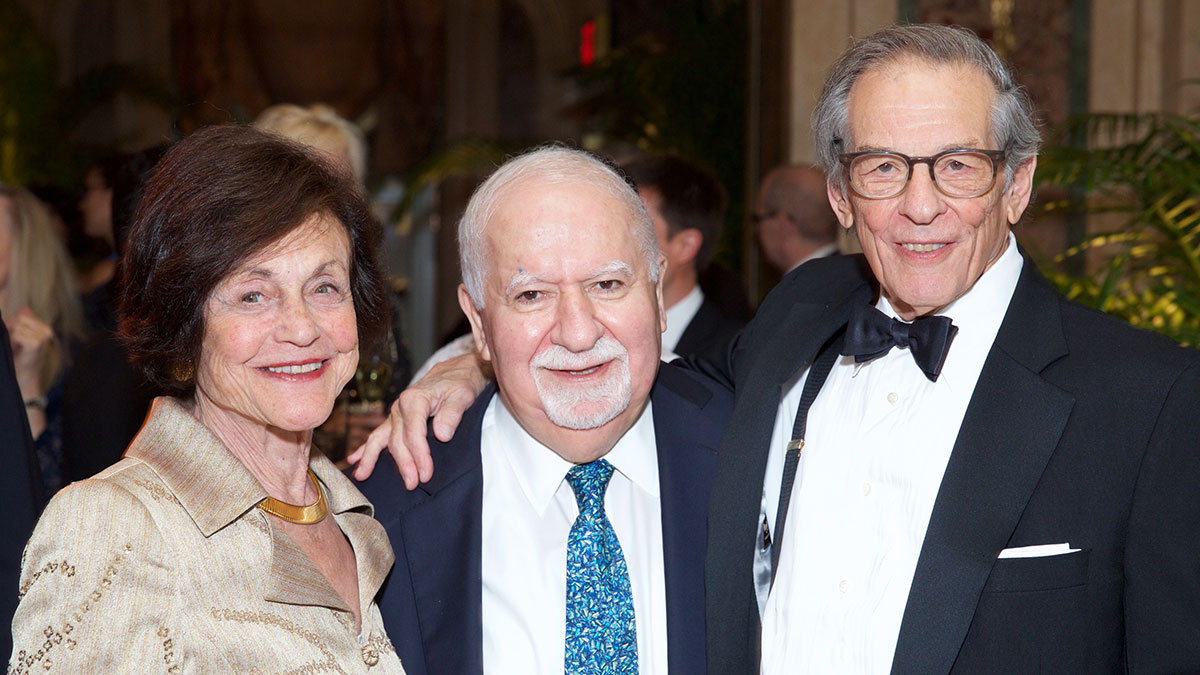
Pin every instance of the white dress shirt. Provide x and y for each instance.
(878, 439)
(679, 317)
(528, 510)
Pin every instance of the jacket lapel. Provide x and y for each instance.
(686, 462)
(443, 549)
(1011, 427)
(738, 485)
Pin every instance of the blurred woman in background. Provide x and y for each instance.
(42, 312)
(319, 126)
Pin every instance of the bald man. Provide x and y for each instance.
(792, 217)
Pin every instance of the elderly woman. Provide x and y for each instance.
(342, 142)
(221, 542)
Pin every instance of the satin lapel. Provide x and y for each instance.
(741, 464)
(744, 457)
(686, 461)
(443, 548)
(1009, 432)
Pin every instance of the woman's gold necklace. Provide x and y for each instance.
(301, 515)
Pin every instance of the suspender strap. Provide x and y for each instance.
(817, 374)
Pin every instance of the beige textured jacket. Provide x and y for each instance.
(160, 564)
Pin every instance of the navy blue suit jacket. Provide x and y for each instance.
(431, 601)
(707, 330)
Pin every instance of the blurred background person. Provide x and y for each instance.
(249, 278)
(686, 203)
(41, 310)
(95, 210)
(792, 217)
(320, 126)
(384, 373)
(21, 495)
(105, 397)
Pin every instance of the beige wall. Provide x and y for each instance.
(820, 31)
(1141, 52)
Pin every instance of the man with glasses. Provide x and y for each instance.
(1013, 487)
(936, 463)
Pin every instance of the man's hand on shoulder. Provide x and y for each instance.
(444, 394)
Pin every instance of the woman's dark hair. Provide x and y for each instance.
(215, 200)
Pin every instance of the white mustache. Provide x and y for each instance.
(557, 357)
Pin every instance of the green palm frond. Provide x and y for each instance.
(1146, 169)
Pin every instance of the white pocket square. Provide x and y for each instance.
(1039, 551)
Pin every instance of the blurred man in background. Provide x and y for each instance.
(792, 217)
(686, 203)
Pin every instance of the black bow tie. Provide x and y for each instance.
(871, 333)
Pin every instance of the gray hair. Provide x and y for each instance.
(1014, 126)
(555, 165)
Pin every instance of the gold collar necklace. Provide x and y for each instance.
(301, 515)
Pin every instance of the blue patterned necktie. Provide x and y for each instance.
(601, 634)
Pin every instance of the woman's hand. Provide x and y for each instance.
(31, 338)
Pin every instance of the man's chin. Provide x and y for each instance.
(582, 417)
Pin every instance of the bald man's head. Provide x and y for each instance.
(793, 215)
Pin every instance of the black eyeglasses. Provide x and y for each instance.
(961, 174)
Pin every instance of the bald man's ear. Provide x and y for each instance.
(841, 205)
(476, 319)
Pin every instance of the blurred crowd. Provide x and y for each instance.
(59, 283)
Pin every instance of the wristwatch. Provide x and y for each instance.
(38, 402)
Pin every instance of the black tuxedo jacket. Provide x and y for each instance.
(709, 328)
(1081, 429)
(431, 601)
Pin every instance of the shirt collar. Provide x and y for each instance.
(679, 316)
(211, 484)
(540, 471)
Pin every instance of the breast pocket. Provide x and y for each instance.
(1046, 573)
(1032, 617)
